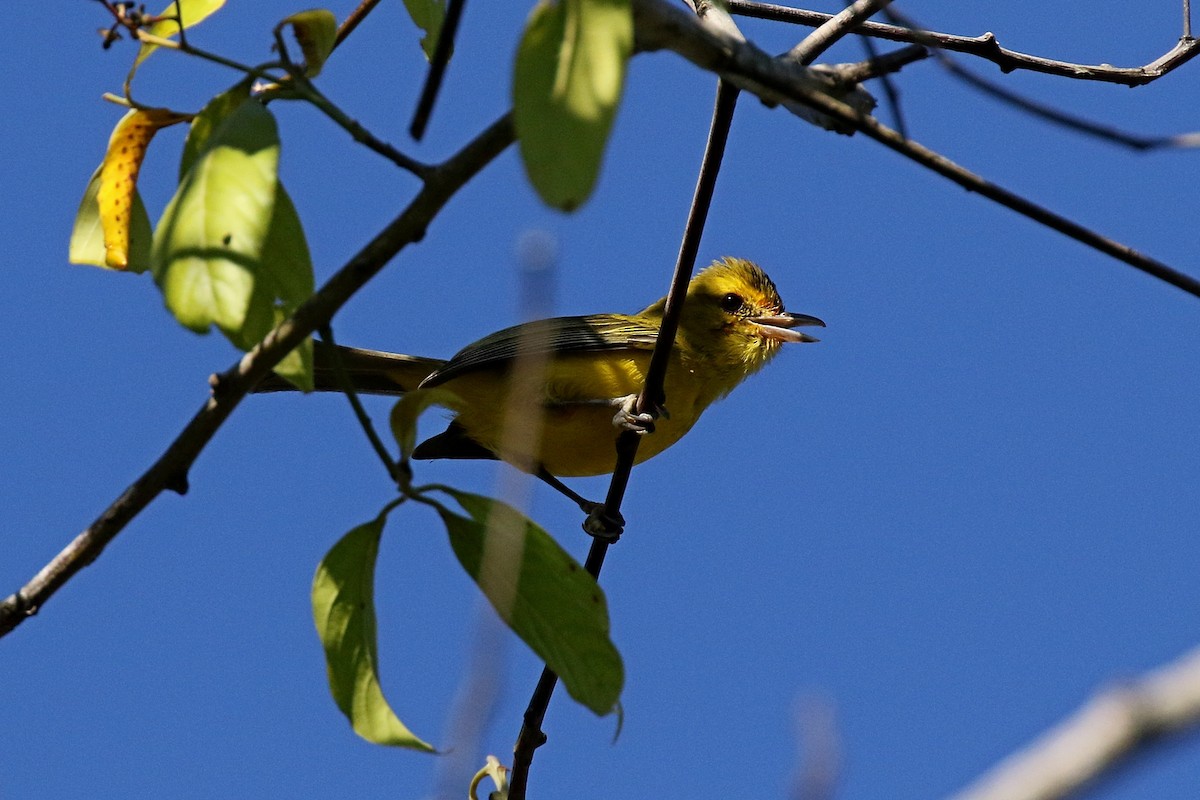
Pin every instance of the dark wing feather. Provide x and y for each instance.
(551, 337)
(452, 443)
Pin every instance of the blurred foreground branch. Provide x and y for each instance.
(1112, 727)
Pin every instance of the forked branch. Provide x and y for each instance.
(663, 26)
(986, 46)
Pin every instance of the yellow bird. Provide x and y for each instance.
(591, 369)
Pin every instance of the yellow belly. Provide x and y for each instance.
(557, 425)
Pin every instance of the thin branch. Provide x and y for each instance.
(1049, 113)
(660, 25)
(351, 22)
(877, 66)
(360, 413)
(437, 68)
(833, 29)
(531, 736)
(1059, 117)
(1108, 730)
(986, 47)
(309, 92)
(170, 470)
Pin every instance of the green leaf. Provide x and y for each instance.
(316, 32)
(542, 593)
(208, 246)
(284, 281)
(343, 600)
(429, 16)
(208, 120)
(190, 12)
(567, 84)
(286, 263)
(87, 235)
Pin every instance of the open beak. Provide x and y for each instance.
(779, 327)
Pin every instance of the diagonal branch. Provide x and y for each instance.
(987, 47)
(660, 25)
(437, 68)
(1106, 731)
(531, 736)
(835, 28)
(1070, 121)
(170, 470)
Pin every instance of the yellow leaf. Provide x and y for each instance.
(119, 174)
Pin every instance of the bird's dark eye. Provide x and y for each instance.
(732, 302)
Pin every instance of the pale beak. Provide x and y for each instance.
(779, 327)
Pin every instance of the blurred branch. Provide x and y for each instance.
(820, 749)
(660, 25)
(987, 47)
(1112, 727)
(171, 468)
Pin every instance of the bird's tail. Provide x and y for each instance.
(369, 371)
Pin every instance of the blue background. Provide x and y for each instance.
(939, 530)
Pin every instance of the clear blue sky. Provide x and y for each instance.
(968, 507)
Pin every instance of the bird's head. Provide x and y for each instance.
(735, 314)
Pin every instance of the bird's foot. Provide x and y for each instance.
(602, 524)
(627, 418)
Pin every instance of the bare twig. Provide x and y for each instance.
(351, 22)
(437, 68)
(170, 470)
(986, 47)
(877, 66)
(661, 25)
(1049, 113)
(309, 92)
(832, 30)
(1069, 121)
(1109, 729)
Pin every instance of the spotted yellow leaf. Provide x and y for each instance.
(119, 174)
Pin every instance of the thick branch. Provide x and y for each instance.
(1107, 730)
(170, 470)
(986, 47)
(662, 26)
